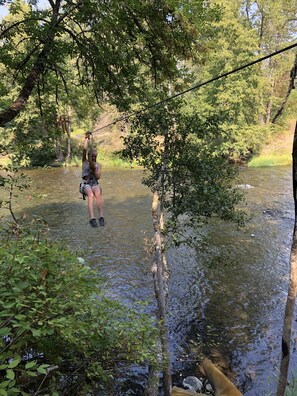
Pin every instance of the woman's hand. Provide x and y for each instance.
(92, 165)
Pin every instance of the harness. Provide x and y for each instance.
(81, 189)
(90, 180)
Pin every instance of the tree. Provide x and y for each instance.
(116, 46)
(275, 24)
(293, 75)
(190, 181)
(233, 46)
(245, 31)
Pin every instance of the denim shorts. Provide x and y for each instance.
(83, 185)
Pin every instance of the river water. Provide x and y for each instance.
(227, 301)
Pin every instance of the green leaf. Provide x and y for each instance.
(14, 363)
(11, 384)
(36, 332)
(4, 331)
(4, 384)
(41, 370)
(31, 373)
(10, 374)
(30, 364)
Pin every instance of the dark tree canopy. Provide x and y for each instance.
(120, 50)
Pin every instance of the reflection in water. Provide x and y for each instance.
(228, 300)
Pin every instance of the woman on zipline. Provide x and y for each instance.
(91, 173)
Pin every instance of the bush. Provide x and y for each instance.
(59, 333)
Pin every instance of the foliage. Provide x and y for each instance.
(274, 25)
(59, 333)
(244, 140)
(35, 138)
(115, 48)
(12, 180)
(246, 31)
(73, 55)
(181, 152)
(125, 54)
(238, 94)
(58, 329)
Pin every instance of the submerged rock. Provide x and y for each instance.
(192, 383)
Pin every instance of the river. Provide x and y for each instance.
(227, 301)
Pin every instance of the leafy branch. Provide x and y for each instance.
(12, 180)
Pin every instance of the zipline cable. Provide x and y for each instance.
(135, 113)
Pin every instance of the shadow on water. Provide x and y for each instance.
(227, 301)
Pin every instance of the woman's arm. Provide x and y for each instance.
(84, 153)
(96, 168)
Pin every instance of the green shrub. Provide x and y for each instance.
(59, 332)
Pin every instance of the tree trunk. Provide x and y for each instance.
(291, 298)
(293, 75)
(19, 104)
(160, 287)
(68, 134)
(269, 101)
(37, 70)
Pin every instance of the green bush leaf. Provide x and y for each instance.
(36, 332)
(41, 370)
(10, 374)
(14, 363)
(30, 364)
(5, 331)
(4, 384)
(77, 323)
(31, 373)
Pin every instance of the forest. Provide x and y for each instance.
(190, 89)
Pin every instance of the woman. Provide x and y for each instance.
(91, 173)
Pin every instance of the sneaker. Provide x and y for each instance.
(93, 223)
(101, 221)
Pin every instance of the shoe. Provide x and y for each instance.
(101, 221)
(93, 223)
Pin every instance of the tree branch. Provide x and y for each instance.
(293, 75)
(5, 31)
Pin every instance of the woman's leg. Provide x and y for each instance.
(99, 199)
(90, 195)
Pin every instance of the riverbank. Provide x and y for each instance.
(278, 152)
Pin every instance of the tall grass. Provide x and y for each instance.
(270, 160)
(278, 151)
